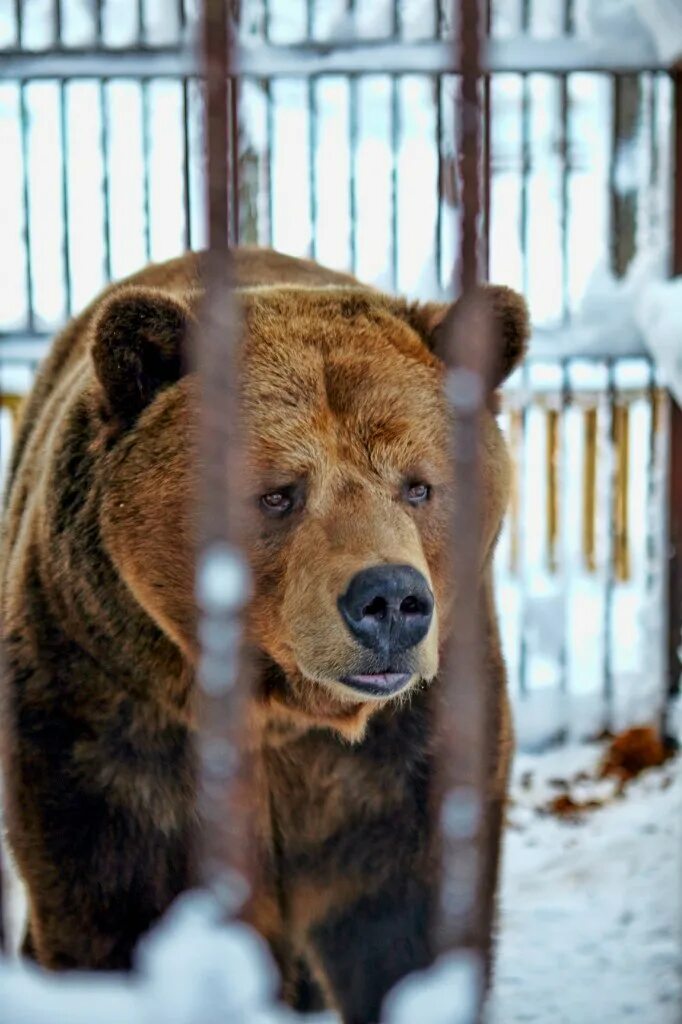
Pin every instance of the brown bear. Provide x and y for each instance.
(347, 435)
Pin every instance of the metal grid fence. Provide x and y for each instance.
(466, 849)
(346, 152)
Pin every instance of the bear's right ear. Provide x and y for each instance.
(509, 319)
(137, 349)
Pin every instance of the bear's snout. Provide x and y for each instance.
(387, 608)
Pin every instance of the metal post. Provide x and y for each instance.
(468, 836)
(221, 571)
(674, 476)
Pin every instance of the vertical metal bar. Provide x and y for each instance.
(269, 136)
(66, 248)
(3, 940)
(26, 202)
(652, 538)
(487, 152)
(395, 144)
(235, 223)
(106, 193)
(396, 20)
(621, 510)
(469, 835)
(565, 152)
(515, 441)
(607, 682)
(312, 162)
(141, 23)
(562, 458)
(146, 150)
(186, 184)
(674, 469)
(353, 187)
(221, 571)
(98, 22)
(623, 199)
(525, 172)
(525, 155)
(57, 23)
(19, 22)
(438, 85)
(589, 495)
(269, 127)
(552, 488)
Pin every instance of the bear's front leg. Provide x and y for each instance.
(361, 950)
(100, 823)
(90, 902)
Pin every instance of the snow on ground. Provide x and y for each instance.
(591, 922)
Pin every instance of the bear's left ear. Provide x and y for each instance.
(509, 318)
(137, 348)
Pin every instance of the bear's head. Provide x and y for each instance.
(347, 483)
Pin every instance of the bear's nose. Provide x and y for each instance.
(388, 608)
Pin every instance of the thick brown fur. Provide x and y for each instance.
(343, 402)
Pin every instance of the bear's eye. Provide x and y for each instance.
(277, 503)
(417, 493)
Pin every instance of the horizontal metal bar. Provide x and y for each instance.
(140, 62)
(520, 54)
(23, 348)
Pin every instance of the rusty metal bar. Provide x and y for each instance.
(486, 160)
(234, 196)
(469, 834)
(221, 571)
(674, 475)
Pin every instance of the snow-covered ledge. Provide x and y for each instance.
(638, 316)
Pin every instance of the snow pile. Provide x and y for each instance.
(659, 318)
(191, 970)
(591, 904)
(663, 18)
(444, 994)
